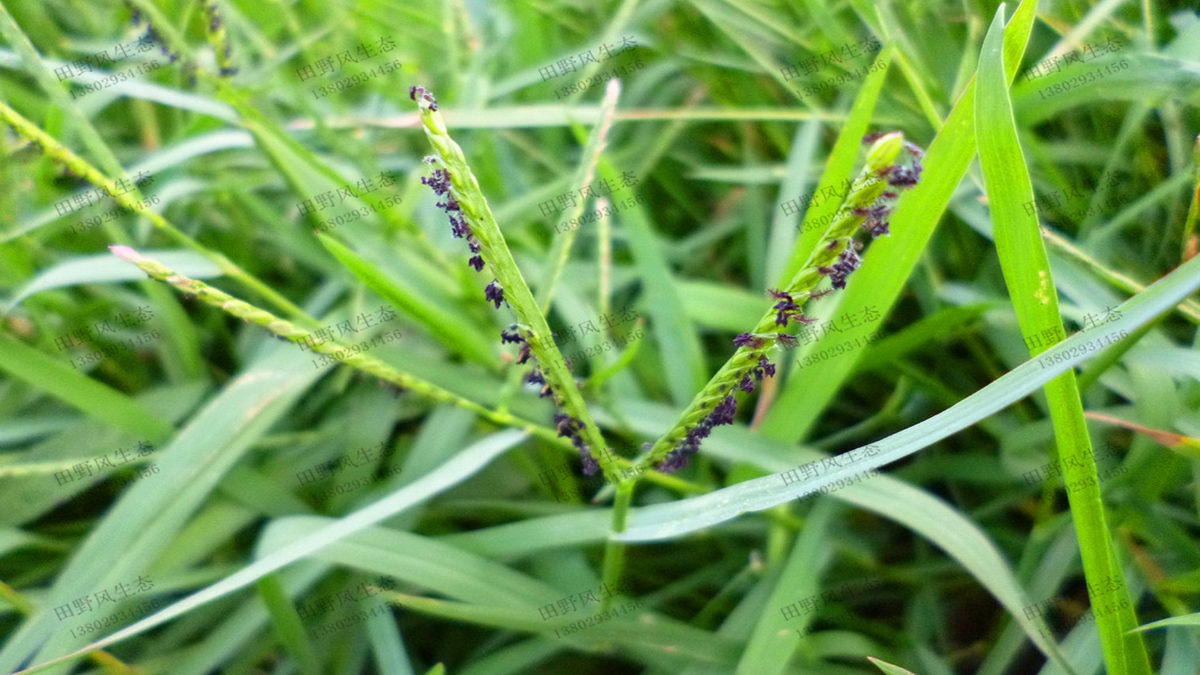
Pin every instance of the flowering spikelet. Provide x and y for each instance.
(494, 292)
(439, 181)
(151, 35)
(524, 355)
(787, 309)
(747, 340)
(848, 262)
(416, 92)
(570, 427)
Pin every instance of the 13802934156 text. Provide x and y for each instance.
(1091, 346)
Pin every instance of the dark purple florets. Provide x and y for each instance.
(674, 461)
(786, 340)
(786, 308)
(590, 466)
(849, 261)
(747, 340)
(523, 355)
(570, 427)
(565, 423)
(904, 177)
(494, 292)
(876, 221)
(725, 411)
(511, 334)
(747, 384)
(764, 367)
(439, 181)
(416, 92)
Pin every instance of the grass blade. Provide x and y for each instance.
(1031, 286)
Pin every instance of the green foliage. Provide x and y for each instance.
(413, 505)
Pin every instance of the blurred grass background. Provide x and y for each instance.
(718, 139)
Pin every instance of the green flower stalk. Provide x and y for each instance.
(219, 39)
(867, 204)
(293, 333)
(472, 219)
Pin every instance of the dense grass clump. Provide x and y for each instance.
(667, 338)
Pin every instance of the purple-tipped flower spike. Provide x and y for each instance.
(867, 204)
(787, 309)
(494, 292)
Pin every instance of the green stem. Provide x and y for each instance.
(614, 551)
